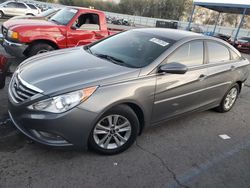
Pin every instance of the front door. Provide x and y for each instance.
(85, 30)
(179, 93)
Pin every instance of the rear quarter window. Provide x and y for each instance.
(217, 53)
(234, 55)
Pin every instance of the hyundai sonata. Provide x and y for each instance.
(103, 95)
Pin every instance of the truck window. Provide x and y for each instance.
(64, 16)
(87, 21)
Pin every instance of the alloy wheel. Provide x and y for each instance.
(112, 131)
(230, 98)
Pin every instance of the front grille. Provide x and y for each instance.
(20, 92)
(4, 31)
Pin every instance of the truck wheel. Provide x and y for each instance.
(39, 48)
(2, 81)
(1, 14)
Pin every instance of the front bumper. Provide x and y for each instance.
(71, 128)
(14, 49)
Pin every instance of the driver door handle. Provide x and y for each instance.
(232, 68)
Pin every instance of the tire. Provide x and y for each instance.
(29, 14)
(39, 48)
(226, 106)
(2, 81)
(124, 115)
(1, 14)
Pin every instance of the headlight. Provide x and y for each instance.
(13, 34)
(63, 102)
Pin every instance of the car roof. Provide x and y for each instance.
(173, 34)
(86, 9)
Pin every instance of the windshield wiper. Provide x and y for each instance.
(112, 59)
(88, 49)
(55, 21)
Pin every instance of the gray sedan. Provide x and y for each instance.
(103, 95)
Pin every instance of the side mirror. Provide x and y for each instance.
(173, 68)
(73, 27)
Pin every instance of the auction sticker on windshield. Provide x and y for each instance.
(159, 42)
(73, 10)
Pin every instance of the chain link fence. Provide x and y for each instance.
(151, 22)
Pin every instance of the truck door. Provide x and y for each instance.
(85, 30)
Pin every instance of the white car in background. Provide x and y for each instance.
(13, 8)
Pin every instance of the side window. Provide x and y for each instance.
(87, 22)
(217, 53)
(11, 5)
(234, 55)
(21, 5)
(32, 6)
(189, 54)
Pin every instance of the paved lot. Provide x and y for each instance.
(185, 152)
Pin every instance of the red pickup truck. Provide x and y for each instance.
(71, 26)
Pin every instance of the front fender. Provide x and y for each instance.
(58, 38)
(139, 92)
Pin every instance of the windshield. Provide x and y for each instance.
(132, 48)
(47, 12)
(64, 16)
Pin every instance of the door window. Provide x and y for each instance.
(87, 22)
(217, 53)
(11, 5)
(32, 6)
(189, 54)
(21, 5)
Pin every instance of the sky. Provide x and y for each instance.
(225, 1)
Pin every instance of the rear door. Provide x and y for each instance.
(179, 93)
(222, 65)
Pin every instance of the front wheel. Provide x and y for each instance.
(115, 131)
(229, 99)
(39, 48)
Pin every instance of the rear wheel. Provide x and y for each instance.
(229, 99)
(29, 14)
(115, 131)
(39, 48)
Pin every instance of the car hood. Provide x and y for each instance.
(71, 69)
(27, 17)
(15, 23)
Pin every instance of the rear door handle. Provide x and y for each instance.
(202, 77)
